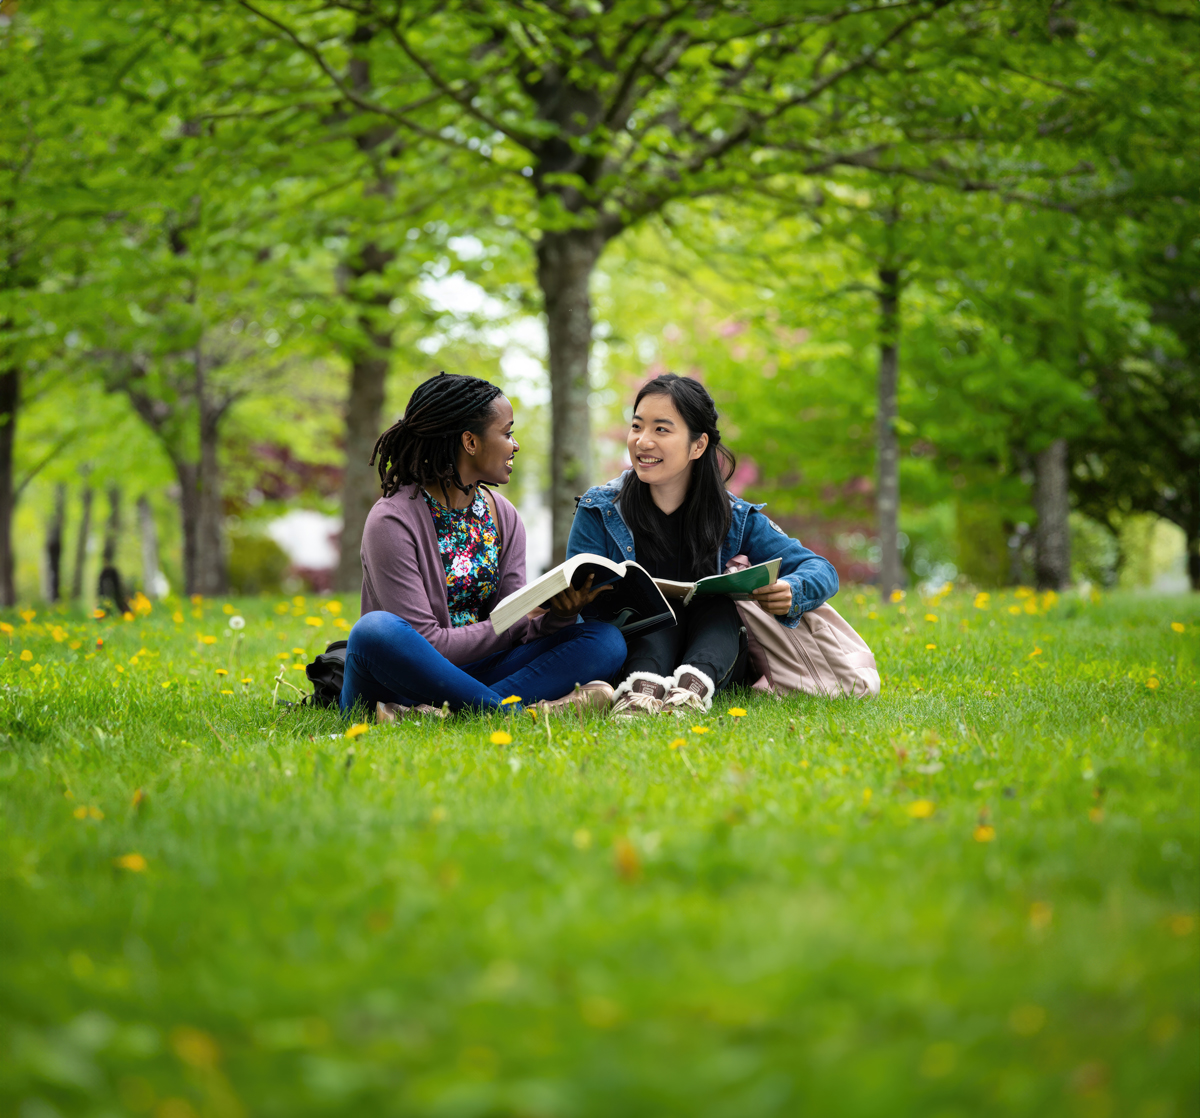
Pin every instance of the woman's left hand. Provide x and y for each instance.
(571, 601)
(776, 598)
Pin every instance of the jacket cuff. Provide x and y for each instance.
(792, 618)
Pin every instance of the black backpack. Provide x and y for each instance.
(325, 673)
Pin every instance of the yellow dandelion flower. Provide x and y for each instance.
(1036, 652)
(177, 617)
(36, 669)
(921, 809)
(27, 615)
(984, 833)
(298, 600)
(737, 712)
(510, 700)
(226, 692)
(227, 608)
(930, 647)
(298, 652)
(315, 622)
(356, 729)
(501, 738)
(1014, 610)
(1152, 683)
(26, 654)
(197, 599)
(341, 623)
(1178, 626)
(248, 679)
(897, 595)
(699, 729)
(7, 629)
(98, 613)
(983, 601)
(334, 606)
(74, 645)
(206, 639)
(931, 617)
(283, 655)
(678, 743)
(166, 684)
(873, 615)
(135, 863)
(297, 667)
(127, 616)
(222, 671)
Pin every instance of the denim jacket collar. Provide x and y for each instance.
(606, 499)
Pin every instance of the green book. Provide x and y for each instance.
(737, 584)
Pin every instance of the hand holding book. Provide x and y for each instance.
(776, 598)
(567, 603)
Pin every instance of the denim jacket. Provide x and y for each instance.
(600, 529)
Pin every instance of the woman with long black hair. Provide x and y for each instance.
(672, 514)
(439, 549)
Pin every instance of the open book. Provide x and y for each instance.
(635, 605)
(735, 584)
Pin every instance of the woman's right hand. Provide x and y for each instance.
(570, 601)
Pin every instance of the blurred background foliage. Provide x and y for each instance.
(236, 235)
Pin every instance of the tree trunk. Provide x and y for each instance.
(189, 518)
(1052, 536)
(887, 501)
(565, 265)
(149, 534)
(112, 527)
(54, 539)
(10, 396)
(364, 421)
(81, 544)
(211, 572)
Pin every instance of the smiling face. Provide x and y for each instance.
(660, 446)
(488, 457)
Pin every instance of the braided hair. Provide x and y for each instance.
(422, 446)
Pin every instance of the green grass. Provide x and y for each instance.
(759, 922)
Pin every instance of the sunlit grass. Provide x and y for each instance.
(978, 894)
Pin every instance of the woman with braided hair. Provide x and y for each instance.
(439, 549)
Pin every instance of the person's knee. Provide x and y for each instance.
(376, 629)
(608, 647)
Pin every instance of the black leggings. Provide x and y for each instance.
(708, 635)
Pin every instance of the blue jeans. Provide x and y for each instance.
(388, 661)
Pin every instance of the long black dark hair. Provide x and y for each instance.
(422, 446)
(706, 515)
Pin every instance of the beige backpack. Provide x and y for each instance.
(822, 655)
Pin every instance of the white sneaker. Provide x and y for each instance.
(641, 693)
(690, 689)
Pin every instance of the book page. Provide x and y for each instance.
(539, 592)
(739, 584)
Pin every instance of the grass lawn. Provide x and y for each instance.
(975, 895)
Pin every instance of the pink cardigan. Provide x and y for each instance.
(403, 574)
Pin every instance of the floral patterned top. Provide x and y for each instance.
(470, 545)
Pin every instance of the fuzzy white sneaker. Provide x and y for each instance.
(690, 689)
(641, 693)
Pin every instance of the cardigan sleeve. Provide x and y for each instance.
(391, 552)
